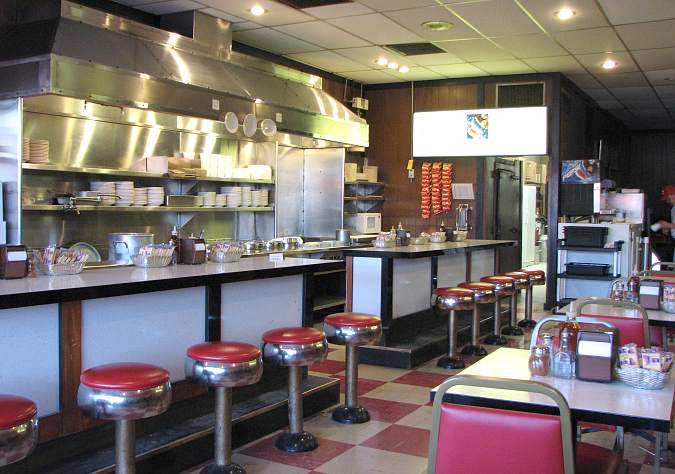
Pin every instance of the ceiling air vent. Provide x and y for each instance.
(520, 95)
(299, 4)
(414, 49)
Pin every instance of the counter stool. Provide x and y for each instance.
(451, 300)
(537, 277)
(223, 365)
(483, 293)
(504, 286)
(522, 282)
(352, 330)
(295, 347)
(124, 392)
(18, 428)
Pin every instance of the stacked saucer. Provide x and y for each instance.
(38, 151)
(246, 196)
(140, 196)
(264, 197)
(125, 192)
(221, 200)
(107, 188)
(233, 195)
(209, 198)
(255, 198)
(155, 196)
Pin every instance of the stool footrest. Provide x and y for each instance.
(228, 469)
(296, 442)
(512, 331)
(476, 351)
(451, 363)
(351, 415)
(495, 340)
(527, 323)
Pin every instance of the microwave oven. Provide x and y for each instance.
(364, 223)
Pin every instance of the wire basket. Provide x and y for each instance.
(643, 378)
(151, 261)
(56, 269)
(229, 255)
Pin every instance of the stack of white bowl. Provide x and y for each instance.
(125, 192)
(140, 196)
(221, 200)
(264, 197)
(38, 151)
(209, 198)
(246, 196)
(255, 198)
(107, 188)
(233, 194)
(155, 196)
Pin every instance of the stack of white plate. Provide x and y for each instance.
(140, 196)
(246, 196)
(155, 196)
(255, 198)
(38, 151)
(107, 188)
(221, 200)
(264, 197)
(125, 192)
(233, 195)
(25, 152)
(209, 198)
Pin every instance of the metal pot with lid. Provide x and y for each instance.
(124, 245)
(254, 246)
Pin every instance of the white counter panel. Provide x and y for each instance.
(29, 355)
(154, 328)
(451, 270)
(250, 308)
(412, 286)
(366, 285)
(482, 264)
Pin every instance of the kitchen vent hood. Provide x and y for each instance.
(88, 54)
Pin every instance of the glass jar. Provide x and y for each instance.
(540, 360)
(564, 360)
(668, 301)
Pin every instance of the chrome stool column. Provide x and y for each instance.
(450, 300)
(223, 365)
(537, 278)
(352, 330)
(124, 392)
(18, 428)
(504, 286)
(483, 293)
(295, 347)
(522, 282)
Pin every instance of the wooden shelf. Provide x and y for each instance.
(58, 208)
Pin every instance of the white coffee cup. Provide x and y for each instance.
(655, 227)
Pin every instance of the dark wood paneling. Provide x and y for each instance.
(70, 322)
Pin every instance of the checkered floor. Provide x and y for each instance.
(396, 439)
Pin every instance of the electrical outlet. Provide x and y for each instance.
(278, 117)
(411, 174)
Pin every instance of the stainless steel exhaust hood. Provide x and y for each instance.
(92, 55)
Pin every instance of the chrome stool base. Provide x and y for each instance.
(512, 331)
(351, 415)
(475, 351)
(527, 323)
(451, 363)
(229, 469)
(495, 340)
(296, 442)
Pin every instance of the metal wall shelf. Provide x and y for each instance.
(58, 208)
(364, 198)
(364, 183)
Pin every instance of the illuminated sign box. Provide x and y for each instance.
(482, 132)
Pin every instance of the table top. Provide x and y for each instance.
(612, 403)
(656, 317)
(428, 250)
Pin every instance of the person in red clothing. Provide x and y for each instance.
(668, 228)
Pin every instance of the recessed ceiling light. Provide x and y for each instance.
(565, 14)
(404, 69)
(437, 25)
(382, 61)
(392, 65)
(257, 10)
(609, 64)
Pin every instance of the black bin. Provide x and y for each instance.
(582, 236)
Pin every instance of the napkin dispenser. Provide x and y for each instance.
(650, 293)
(192, 251)
(13, 261)
(596, 354)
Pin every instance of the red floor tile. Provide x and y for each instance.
(401, 439)
(633, 467)
(326, 451)
(422, 379)
(364, 386)
(327, 366)
(385, 410)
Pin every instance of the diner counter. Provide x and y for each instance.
(429, 250)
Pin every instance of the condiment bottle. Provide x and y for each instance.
(176, 245)
(564, 360)
(548, 342)
(633, 287)
(572, 327)
(540, 360)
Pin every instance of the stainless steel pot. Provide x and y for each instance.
(123, 245)
(343, 236)
(254, 246)
(292, 243)
(273, 245)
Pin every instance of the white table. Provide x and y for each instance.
(609, 403)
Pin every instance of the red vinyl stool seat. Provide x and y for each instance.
(537, 277)
(124, 392)
(352, 330)
(18, 428)
(295, 347)
(224, 365)
(504, 286)
(449, 301)
(482, 293)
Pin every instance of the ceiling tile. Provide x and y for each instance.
(416, 74)
(474, 50)
(625, 79)
(496, 17)
(584, 81)
(666, 92)
(588, 15)
(389, 5)
(596, 40)
(328, 61)
(634, 11)
(633, 93)
(245, 25)
(663, 77)
(651, 59)
(600, 94)
(623, 114)
(508, 66)
(273, 41)
(594, 62)
(566, 64)
(276, 13)
(221, 14)
(323, 34)
(376, 28)
(610, 104)
(338, 10)
(412, 19)
(436, 59)
(135, 3)
(656, 34)
(458, 70)
(369, 54)
(172, 6)
(530, 46)
(370, 77)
